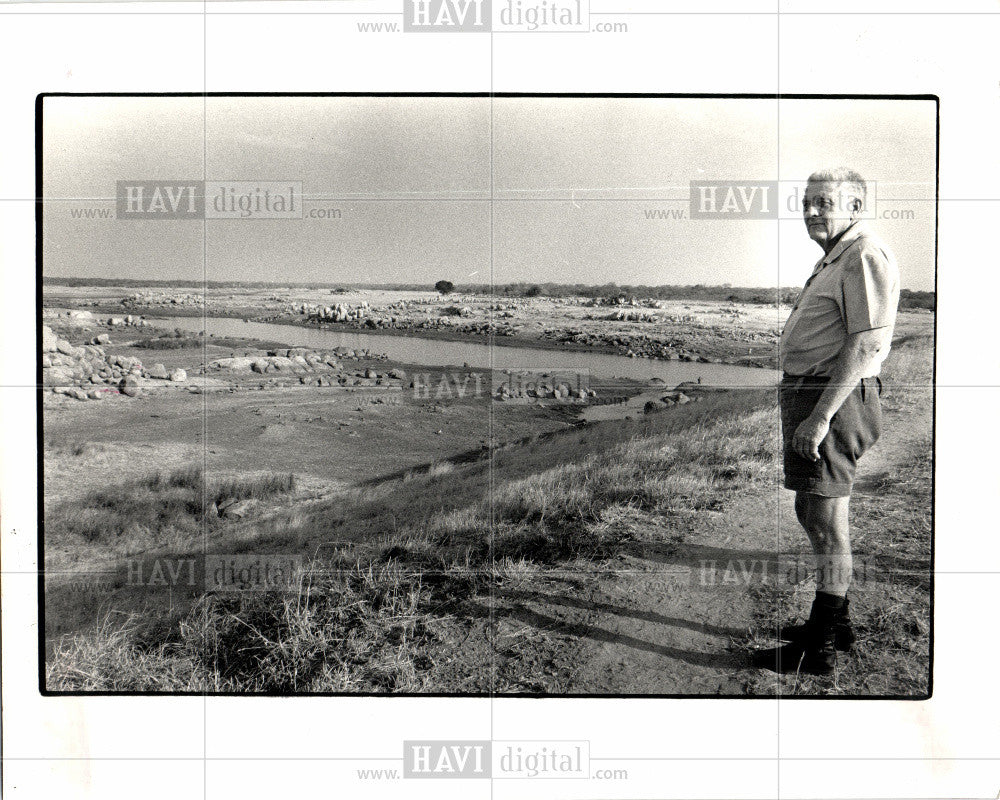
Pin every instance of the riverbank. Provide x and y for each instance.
(693, 331)
(706, 332)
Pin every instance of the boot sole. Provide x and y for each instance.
(843, 643)
(786, 662)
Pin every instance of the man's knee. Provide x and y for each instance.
(824, 518)
(801, 508)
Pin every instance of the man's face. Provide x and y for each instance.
(828, 209)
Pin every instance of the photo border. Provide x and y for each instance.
(39, 201)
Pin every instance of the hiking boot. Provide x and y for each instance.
(816, 652)
(818, 659)
(845, 637)
(821, 648)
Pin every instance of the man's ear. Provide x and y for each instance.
(855, 205)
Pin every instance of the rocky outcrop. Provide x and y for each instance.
(294, 361)
(88, 372)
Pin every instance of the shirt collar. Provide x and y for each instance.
(856, 229)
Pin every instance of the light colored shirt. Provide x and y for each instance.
(853, 288)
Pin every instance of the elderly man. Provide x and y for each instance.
(832, 348)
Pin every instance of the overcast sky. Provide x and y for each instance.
(573, 182)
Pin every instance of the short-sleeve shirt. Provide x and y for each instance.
(853, 288)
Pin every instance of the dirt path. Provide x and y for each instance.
(674, 617)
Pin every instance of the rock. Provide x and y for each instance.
(96, 394)
(50, 342)
(238, 364)
(259, 365)
(178, 375)
(130, 386)
(235, 509)
(65, 347)
(371, 374)
(56, 376)
(397, 374)
(159, 372)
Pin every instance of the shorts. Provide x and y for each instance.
(854, 428)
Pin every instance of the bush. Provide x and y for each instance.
(444, 287)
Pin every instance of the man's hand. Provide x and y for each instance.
(809, 435)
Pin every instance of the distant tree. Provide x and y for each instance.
(533, 291)
(445, 287)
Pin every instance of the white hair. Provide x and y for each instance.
(843, 176)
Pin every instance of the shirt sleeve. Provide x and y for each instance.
(870, 292)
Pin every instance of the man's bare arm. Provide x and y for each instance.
(852, 363)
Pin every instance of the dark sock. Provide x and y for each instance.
(832, 601)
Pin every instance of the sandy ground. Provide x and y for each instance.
(660, 620)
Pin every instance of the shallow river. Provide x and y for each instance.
(434, 352)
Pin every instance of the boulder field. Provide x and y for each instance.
(88, 372)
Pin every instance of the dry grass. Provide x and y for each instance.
(162, 507)
(558, 514)
(361, 630)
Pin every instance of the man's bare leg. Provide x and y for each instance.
(814, 644)
(825, 520)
